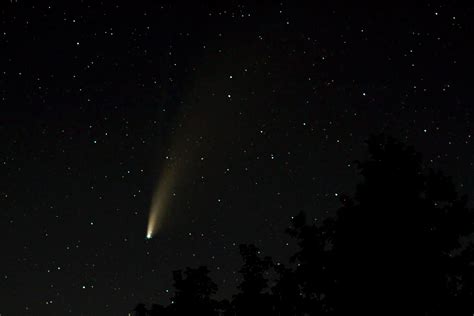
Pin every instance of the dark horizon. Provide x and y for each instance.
(235, 116)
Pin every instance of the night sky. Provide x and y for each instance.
(239, 116)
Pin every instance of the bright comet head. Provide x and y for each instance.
(151, 224)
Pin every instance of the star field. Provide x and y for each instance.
(264, 108)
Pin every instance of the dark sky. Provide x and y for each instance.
(260, 109)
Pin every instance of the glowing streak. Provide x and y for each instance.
(193, 129)
(159, 201)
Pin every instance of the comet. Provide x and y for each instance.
(175, 166)
(160, 200)
(193, 134)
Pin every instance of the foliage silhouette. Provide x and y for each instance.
(193, 292)
(394, 243)
(252, 298)
(157, 310)
(286, 293)
(140, 310)
(401, 245)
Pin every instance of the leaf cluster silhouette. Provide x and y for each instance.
(402, 245)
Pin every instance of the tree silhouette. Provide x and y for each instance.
(313, 272)
(157, 310)
(395, 247)
(224, 308)
(193, 292)
(252, 298)
(401, 245)
(140, 310)
(286, 293)
(394, 243)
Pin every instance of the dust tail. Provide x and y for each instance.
(160, 201)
